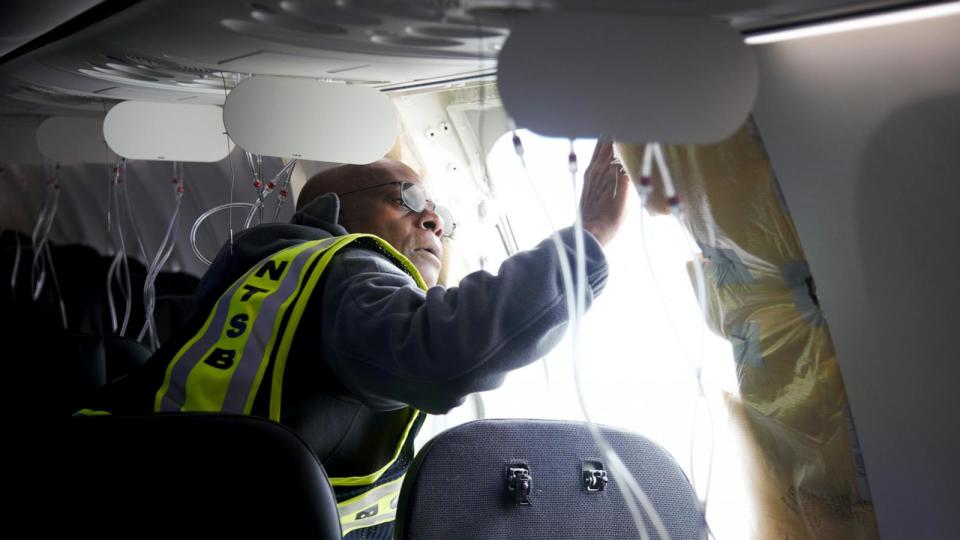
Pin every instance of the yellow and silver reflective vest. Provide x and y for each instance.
(248, 334)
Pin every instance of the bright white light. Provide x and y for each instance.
(640, 337)
(857, 23)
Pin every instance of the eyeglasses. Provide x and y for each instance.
(415, 199)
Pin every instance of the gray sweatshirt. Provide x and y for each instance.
(373, 344)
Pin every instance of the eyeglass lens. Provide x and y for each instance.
(415, 199)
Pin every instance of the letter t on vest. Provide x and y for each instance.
(251, 290)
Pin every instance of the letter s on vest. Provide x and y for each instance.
(238, 325)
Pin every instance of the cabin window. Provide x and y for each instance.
(641, 338)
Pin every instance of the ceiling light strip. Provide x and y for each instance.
(856, 23)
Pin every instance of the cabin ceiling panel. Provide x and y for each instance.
(188, 50)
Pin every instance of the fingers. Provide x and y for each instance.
(603, 150)
(596, 150)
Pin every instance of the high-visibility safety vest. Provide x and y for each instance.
(251, 328)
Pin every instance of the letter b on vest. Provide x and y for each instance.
(220, 358)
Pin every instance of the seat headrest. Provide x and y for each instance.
(189, 474)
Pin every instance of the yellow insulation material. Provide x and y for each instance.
(792, 405)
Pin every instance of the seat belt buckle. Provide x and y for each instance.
(520, 484)
(594, 476)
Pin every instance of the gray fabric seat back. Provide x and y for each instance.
(465, 483)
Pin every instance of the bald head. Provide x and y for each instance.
(371, 202)
(345, 178)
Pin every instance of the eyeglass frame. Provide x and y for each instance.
(403, 183)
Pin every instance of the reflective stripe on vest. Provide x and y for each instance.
(91, 412)
(253, 323)
(221, 368)
(379, 505)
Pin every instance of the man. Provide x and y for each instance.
(371, 340)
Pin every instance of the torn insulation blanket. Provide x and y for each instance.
(805, 463)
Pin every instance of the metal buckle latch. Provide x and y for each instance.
(594, 476)
(520, 484)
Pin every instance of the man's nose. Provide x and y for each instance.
(429, 219)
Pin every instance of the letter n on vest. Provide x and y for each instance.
(270, 267)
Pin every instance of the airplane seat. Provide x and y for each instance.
(20, 316)
(11, 288)
(171, 312)
(538, 479)
(78, 364)
(82, 277)
(176, 302)
(183, 475)
(176, 283)
(138, 273)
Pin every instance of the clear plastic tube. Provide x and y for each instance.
(159, 260)
(203, 217)
(111, 186)
(233, 173)
(111, 305)
(256, 205)
(41, 234)
(283, 186)
(36, 235)
(129, 211)
(632, 494)
(163, 254)
(120, 264)
(618, 468)
(16, 266)
(277, 183)
(565, 270)
(56, 286)
(256, 167)
(124, 262)
(653, 154)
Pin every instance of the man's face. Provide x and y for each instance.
(380, 211)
